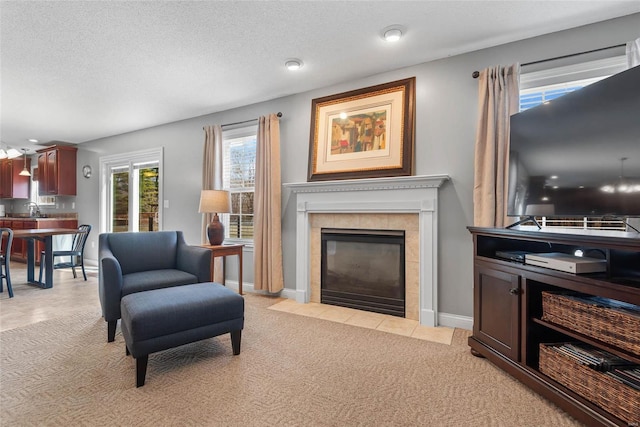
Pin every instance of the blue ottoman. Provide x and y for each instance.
(161, 319)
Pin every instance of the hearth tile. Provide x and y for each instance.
(412, 246)
(439, 334)
(311, 309)
(408, 222)
(374, 222)
(365, 319)
(346, 221)
(398, 326)
(336, 314)
(321, 220)
(288, 305)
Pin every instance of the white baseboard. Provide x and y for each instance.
(455, 321)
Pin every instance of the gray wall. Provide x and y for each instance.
(446, 110)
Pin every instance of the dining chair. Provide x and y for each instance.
(6, 239)
(76, 254)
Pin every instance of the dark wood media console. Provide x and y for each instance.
(509, 328)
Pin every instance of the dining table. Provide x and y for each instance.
(44, 235)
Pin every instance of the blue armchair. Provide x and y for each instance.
(136, 262)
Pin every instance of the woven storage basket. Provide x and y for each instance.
(616, 398)
(609, 325)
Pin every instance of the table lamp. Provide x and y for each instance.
(215, 201)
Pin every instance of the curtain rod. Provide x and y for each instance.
(279, 114)
(476, 74)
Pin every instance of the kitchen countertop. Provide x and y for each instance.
(61, 217)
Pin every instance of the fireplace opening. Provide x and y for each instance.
(363, 269)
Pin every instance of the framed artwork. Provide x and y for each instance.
(364, 133)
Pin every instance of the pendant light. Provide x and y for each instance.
(25, 171)
(623, 184)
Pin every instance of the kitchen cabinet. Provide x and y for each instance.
(12, 184)
(57, 171)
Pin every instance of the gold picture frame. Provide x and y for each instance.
(363, 133)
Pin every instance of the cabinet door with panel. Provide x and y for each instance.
(497, 310)
(57, 171)
(16, 246)
(12, 184)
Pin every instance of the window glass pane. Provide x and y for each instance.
(120, 199)
(247, 203)
(239, 156)
(233, 228)
(235, 202)
(148, 199)
(247, 227)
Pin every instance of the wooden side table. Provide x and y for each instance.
(224, 251)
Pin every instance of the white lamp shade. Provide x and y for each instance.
(214, 201)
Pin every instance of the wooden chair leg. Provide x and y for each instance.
(111, 330)
(141, 370)
(235, 341)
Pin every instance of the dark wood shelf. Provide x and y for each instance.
(508, 327)
(589, 340)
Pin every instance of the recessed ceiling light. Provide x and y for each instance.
(33, 140)
(293, 64)
(392, 34)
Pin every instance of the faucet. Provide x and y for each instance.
(34, 209)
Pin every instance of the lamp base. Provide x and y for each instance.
(215, 231)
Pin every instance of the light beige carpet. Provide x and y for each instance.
(293, 371)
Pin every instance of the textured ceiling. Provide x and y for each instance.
(81, 70)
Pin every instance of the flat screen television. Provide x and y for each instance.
(579, 155)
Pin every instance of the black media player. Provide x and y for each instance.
(517, 256)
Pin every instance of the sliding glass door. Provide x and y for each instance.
(131, 192)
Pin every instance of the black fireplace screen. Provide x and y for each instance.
(363, 269)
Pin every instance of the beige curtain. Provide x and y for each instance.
(267, 237)
(211, 168)
(498, 96)
(212, 180)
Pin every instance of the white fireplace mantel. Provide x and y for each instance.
(410, 194)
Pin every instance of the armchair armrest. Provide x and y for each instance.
(109, 285)
(195, 260)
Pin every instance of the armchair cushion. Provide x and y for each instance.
(155, 279)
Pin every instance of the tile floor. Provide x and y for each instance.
(365, 319)
(31, 304)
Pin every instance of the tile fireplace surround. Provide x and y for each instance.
(402, 203)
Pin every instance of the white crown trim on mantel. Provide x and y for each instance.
(407, 194)
(387, 183)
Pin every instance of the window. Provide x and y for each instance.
(543, 86)
(538, 95)
(239, 174)
(131, 191)
(34, 196)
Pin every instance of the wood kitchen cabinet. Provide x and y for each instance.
(12, 184)
(57, 171)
